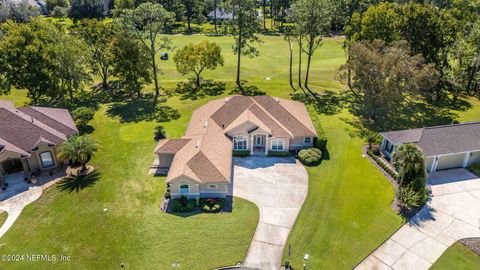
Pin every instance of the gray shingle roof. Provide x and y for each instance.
(440, 140)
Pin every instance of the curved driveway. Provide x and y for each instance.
(452, 214)
(278, 186)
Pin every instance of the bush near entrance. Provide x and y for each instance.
(310, 156)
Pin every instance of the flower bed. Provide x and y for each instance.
(382, 164)
(212, 205)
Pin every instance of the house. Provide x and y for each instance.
(222, 15)
(29, 137)
(38, 4)
(200, 163)
(444, 147)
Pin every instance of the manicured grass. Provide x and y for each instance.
(346, 216)
(133, 230)
(457, 257)
(3, 217)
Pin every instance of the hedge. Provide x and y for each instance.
(321, 141)
(279, 153)
(382, 164)
(310, 156)
(184, 205)
(241, 153)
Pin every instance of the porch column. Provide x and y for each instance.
(251, 145)
(266, 145)
(467, 157)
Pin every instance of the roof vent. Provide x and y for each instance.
(205, 125)
(227, 99)
(198, 144)
(32, 119)
(277, 100)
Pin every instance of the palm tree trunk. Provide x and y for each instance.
(239, 56)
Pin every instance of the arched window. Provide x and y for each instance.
(47, 159)
(184, 188)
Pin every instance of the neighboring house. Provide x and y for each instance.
(29, 137)
(222, 15)
(39, 4)
(444, 147)
(200, 163)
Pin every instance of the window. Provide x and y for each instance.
(184, 188)
(212, 186)
(388, 147)
(47, 159)
(307, 140)
(277, 145)
(239, 143)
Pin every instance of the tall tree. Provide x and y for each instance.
(312, 22)
(70, 58)
(197, 58)
(193, 10)
(245, 26)
(147, 22)
(23, 58)
(99, 37)
(382, 75)
(131, 64)
(81, 9)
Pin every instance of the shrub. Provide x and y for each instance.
(241, 153)
(408, 197)
(475, 168)
(183, 204)
(167, 195)
(59, 12)
(82, 116)
(376, 150)
(159, 133)
(310, 156)
(212, 205)
(279, 153)
(382, 164)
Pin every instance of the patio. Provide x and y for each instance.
(15, 183)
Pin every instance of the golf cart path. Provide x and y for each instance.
(278, 186)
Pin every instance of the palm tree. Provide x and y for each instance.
(78, 150)
(410, 163)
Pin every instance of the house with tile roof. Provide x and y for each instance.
(200, 163)
(29, 137)
(445, 147)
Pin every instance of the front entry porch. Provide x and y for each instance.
(258, 145)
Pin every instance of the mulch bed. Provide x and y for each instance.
(472, 243)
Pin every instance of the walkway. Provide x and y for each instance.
(452, 214)
(278, 186)
(15, 205)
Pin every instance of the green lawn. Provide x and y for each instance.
(457, 257)
(347, 213)
(3, 217)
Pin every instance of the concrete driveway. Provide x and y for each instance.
(452, 214)
(278, 186)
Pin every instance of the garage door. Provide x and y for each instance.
(450, 162)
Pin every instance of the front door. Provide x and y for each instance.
(12, 166)
(259, 140)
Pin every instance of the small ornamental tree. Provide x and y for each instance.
(78, 150)
(82, 116)
(197, 58)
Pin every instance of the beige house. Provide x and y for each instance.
(29, 137)
(200, 163)
(444, 147)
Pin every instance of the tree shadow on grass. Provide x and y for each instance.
(188, 90)
(406, 115)
(77, 183)
(329, 102)
(248, 90)
(142, 109)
